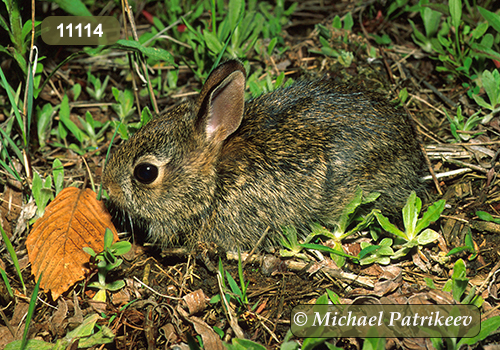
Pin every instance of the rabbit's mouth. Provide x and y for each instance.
(125, 222)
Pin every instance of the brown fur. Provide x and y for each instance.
(292, 157)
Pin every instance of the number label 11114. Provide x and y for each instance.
(80, 30)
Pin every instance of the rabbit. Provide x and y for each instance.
(223, 170)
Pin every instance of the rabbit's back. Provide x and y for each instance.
(301, 152)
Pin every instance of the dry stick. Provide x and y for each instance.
(154, 291)
(466, 165)
(160, 33)
(255, 246)
(487, 279)
(92, 183)
(263, 320)
(431, 170)
(9, 326)
(26, 157)
(143, 65)
(129, 55)
(426, 157)
(386, 65)
(439, 94)
(424, 152)
(428, 104)
(183, 284)
(476, 144)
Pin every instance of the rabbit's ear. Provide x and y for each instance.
(222, 100)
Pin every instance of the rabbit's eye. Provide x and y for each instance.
(146, 173)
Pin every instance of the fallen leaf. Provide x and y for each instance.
(211, 340)
(196, 301)
(73, 220)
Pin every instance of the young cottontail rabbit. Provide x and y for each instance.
(224, 170)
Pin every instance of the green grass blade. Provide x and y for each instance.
(13, 256)
(234, 286)
(242, 279)
(29, 108)
(31, 310)
(6, 281)
(99, 194)
(10, 171)
(7, 88)
(12, 144)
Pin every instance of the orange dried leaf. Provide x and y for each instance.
(73, 220)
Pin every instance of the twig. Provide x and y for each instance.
(9, 326)
(465, 165)
(154, 291)
(256, 246)
(440, 95)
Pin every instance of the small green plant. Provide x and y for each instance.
(326, 39)
(312, 343)
(124, 107)
(416, 233)
(289, 240)
(276, 16)
(457, 285)
(468, 247)
(458, 45)
(42, 192)
(94, 130)
(487, 217)
(234, 292)
(461, 128)
(379, 254)
(127, 129)
(234, 32)
(88, 137)
(488, 327)
(18, 33)
(99, 88)
(24, 343)
(21, 344)
(490, 81)
(66, 125)
(258, 86)
(44, 117)
(209, 44)
(15, 261)
(107, 261)
(58, 173)
(348, 223)
(431, 20)
(85, 335)
(12, 142)
(350, 215)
